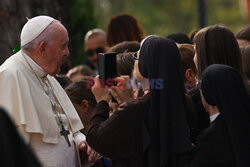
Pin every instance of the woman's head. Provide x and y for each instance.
(179, 38)
(82, 98)
(63, 80)
(216, 45)
(189, 70)
(222, 83)
(245, 51)
(124, 28)
(79, 72)
(160, 62)
(243, 36)
(223, 86)
(125, 64)
(126, 46)
(157, 53)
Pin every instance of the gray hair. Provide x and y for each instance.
(94, 32)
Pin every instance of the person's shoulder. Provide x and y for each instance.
(219, 124)
(11, 65)
(217, 128)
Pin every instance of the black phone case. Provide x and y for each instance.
(107, 66)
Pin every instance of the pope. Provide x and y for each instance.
(36, 102)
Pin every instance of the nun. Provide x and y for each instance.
(226, 141)
(150, 131)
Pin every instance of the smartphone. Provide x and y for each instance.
(107, 68)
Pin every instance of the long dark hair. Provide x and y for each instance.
(245, 51)
(217, 45)
(124, 28)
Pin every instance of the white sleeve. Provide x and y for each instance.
(79, 137)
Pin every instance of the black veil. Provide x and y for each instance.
(222, 86)
(165, 131)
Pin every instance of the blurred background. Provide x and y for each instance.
(160, 17)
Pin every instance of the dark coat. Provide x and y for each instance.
(214, 148)
(119, 136)
(13, 150)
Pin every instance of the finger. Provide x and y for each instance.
(119, 80)
(119, 85)
(97, 84)
(117, 91)
(83, 146)
(95, 157)
(89, 150)
(115, 95)
(91, 155)
(126, 77)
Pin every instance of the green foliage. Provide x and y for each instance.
(226, 12)
(17, 48)
(163, 17)
(82, 19)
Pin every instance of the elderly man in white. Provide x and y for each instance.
(37, 103)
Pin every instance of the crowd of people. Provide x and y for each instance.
(189, 105)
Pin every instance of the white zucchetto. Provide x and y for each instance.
(34, 27)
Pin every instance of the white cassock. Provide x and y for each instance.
(24, 98)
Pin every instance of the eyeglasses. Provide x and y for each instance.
(90, 52)
(135, 56)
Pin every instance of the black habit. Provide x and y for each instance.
(222, 86)
(214, 148)
(166, 137)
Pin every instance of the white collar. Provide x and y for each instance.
(38, 70)
(213, 117)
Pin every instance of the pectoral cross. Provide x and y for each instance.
(65, 134)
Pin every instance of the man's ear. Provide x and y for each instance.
(42, 48)
(85, 105)
(189, 75)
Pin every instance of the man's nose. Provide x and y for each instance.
(67, 53)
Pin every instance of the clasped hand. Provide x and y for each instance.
(120, 92)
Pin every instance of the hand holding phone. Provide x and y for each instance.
(121, 92)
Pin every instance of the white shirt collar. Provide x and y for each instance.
(213, 117)
(38, 70)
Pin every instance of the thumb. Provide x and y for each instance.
(83, 146)
(97, 82)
